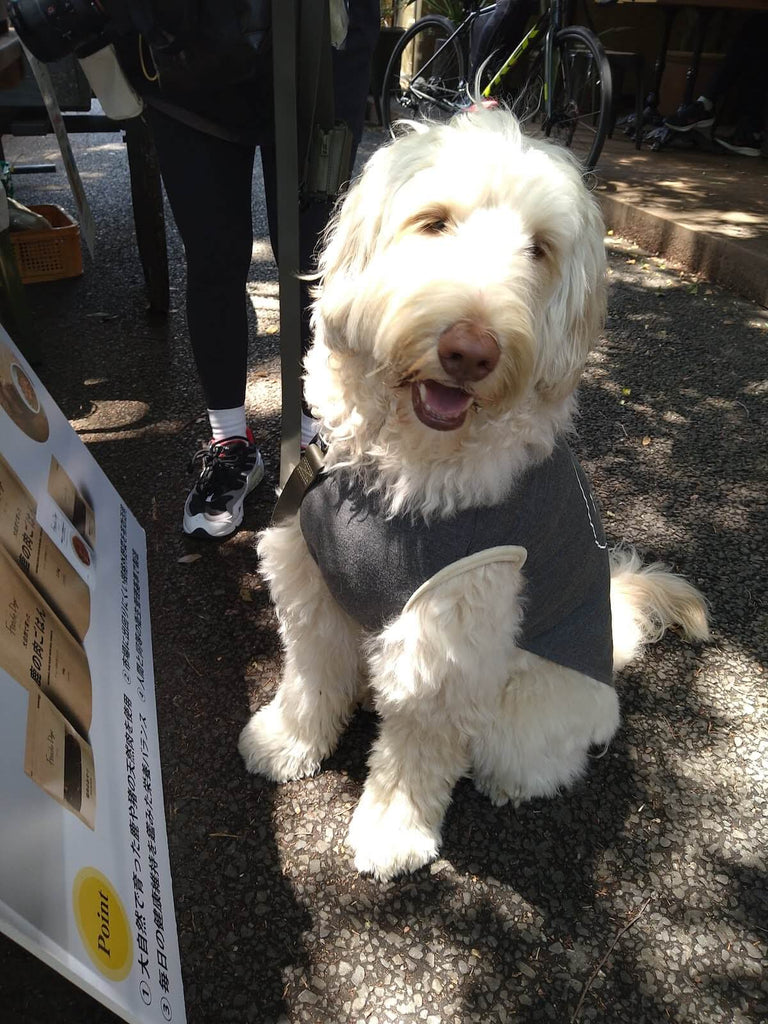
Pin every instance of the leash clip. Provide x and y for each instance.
(304, 474)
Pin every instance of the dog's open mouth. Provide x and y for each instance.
(440, 406)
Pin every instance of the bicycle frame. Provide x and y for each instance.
(462, 29)
(564, 89)
(549, 22)
(542, 25)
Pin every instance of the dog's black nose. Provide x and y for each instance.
(467, 353)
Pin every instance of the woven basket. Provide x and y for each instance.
(48, 255)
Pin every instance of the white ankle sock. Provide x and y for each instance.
(227, 422)
(707, 104)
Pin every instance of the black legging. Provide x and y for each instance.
(502, 29)
(208, 184)
(745, 67)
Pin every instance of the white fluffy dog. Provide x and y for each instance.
(451, 559)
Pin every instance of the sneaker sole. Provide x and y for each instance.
(706, 123)
(741, 150)
(200, 526)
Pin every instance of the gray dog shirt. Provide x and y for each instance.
(373, 565)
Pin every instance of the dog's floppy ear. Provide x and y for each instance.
(349, 244)
(575, 313)
(352, 234)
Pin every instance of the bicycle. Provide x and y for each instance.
(557, 79)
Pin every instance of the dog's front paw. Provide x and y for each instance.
(269, 747)
(387, 838)
(499, 794)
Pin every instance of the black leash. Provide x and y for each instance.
(312, 156)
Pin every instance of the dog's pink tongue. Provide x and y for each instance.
(443, 400)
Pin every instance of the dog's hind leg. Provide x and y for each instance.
(538, 740)
(289, 737)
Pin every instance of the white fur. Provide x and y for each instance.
(468, 223)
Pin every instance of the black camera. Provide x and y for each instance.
(53, 29)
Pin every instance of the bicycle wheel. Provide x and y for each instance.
(425, 77)
(581, 94)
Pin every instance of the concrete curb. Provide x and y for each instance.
(737, 265)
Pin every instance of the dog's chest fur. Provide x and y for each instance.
(373, 564)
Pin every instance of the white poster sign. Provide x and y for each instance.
(85, 881)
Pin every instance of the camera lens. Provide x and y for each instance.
(52, 29)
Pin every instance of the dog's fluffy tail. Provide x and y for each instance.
(648, 600)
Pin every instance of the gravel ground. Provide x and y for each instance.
(641, 895)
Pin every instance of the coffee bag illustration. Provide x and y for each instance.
(71, 502)
(68, 540)
(59, 760)
(38, 651)
(29, 545)
(19, 398)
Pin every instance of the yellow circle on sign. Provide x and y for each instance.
(102, 923)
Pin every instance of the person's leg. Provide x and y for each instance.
(208, 183)
(351, 83)
(744, 67)
(752, 95)
(501, 31)
(744, 61)
(351, 80)
(483, 34)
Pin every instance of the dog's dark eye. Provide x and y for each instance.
(536, 251)
(438, 226)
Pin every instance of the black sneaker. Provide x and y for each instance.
(229, 472)
(743, 141)
(695, 115)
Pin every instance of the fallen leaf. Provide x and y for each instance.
(646, 441)
(626, 391)
(271, 330)
(186, 559)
